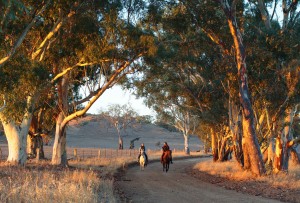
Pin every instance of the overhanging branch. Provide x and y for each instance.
(23, 35)
(101, 90)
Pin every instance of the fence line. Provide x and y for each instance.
(83, 153)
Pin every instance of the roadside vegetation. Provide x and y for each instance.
(232, 171)
(88, 180)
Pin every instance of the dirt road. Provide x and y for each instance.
(153, 185)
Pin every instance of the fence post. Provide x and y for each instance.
(99, 153)
(75, 154)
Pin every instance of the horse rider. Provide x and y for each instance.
(142, 149)
(165, 148)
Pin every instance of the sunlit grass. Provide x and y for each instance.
(83, 181)
(87, 180)
(232, 171)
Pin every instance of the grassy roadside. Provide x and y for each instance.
(89, 180)
(92, 180)
(83, 181)
(231, 171)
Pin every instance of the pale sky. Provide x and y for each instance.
(116, 95)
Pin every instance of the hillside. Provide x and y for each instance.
(90, 131)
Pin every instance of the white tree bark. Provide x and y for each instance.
(186, 143)
(59, 155)
(17, 135)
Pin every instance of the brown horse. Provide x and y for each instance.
(166, 158)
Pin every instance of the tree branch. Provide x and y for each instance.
(101, 91)
(54, 30)
(216, 40)
(23, 35)
(4, 104)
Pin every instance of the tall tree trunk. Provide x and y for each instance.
(272, 129)
(278, 155)
(59, 156)
(186, 144)
(34, 140)
(287, 137)
(270, 149)
(250, 138)
(17, 142)
(237, 137)
(214, 145)
(247, 161)
(235, 119)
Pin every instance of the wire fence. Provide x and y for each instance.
(84, 153)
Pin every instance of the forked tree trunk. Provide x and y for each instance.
(17, 135)
(223, 149)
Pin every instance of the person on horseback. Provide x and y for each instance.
(166, 148)
(141, 150)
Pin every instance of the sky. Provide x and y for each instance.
(116, 95)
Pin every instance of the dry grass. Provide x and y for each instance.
(88, 180)
(84, 181)
(232, 171)
(105, 165)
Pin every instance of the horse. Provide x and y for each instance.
(142, 161)
(166, 160)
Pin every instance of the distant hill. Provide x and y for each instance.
(96, 132)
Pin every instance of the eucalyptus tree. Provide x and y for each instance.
(269, 49)
(28, 49)
(185, 68)
(96, 50)
(181, 118)
(122, 118)
(22, 88)
(16, 20)
(280, 30)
